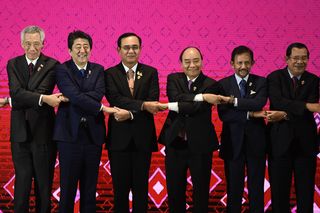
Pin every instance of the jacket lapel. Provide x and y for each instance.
(139, 77)
(234, 88)
(40, 69)
(22, 70)
(122, 78)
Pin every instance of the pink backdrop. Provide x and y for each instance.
(166, 27)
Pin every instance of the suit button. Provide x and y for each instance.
(186, 116)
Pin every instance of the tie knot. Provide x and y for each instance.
(130, 74)
(83, 72)
(242, 83)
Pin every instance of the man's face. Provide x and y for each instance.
(298, 61)
(80, 51)
(129, 51)
(191, 63)
(32, 45)
(242, 64)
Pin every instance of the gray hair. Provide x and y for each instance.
(33, 29)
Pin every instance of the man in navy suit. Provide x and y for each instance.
(131, 137)
(80, 128)
(293, 139)
(31, 82)
(243, 137)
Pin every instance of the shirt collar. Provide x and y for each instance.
(80, 68)
(193, 80)
(239, 78)
(291, 76)
(34, 62)
(134, 68)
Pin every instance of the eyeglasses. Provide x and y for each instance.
(28, 44)
(297, 58)
(128, 47)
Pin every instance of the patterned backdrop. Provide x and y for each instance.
(166, 27)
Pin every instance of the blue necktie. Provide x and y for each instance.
(83, 71)
(243, 88)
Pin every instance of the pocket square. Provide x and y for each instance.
(252, 92)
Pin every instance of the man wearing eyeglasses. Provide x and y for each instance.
(31, 83)
(131, 136)
(293, 140)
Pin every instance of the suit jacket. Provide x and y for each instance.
(141, 130)
(193, 117)
(236, 127)
(85, 95)
(29, 121)
(301, 126)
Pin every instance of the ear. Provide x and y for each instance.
(70, 52)
(232, 64)
(118, 50)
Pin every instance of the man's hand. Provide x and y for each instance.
(151, 106)
(258, 114)
(121, 114)
(216, 99)
(3, 102)
(52, 100)
(63, 98)
(109, 110)
(162, 106)
(275, 116)
(313, 107)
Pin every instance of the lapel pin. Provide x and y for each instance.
(252, 92)
(302, 82)
(250, 84)
(194, 88)
(40, 67)
(139, 74)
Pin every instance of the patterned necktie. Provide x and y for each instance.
(243, 88)
(30, 69)
(130, 77)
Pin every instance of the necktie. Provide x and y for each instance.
(30, 69)
(83, 72)
(190, 84)
(130, 77)
(295, 82)
(243, 88)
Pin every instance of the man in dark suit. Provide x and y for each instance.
(243, 137)
(131, 132)
(80, 128)
(31, 82)
(293, 140)
(188, 133)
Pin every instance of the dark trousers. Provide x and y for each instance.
(79, 162)
(235, 176)
(130, 171)
(177, 161)
(36, 161)
(280, 171)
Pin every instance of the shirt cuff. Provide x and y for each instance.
(235, 102)
(40, 100)
(198, 97)
(101, 107)
(173, 106)
(131, 115)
